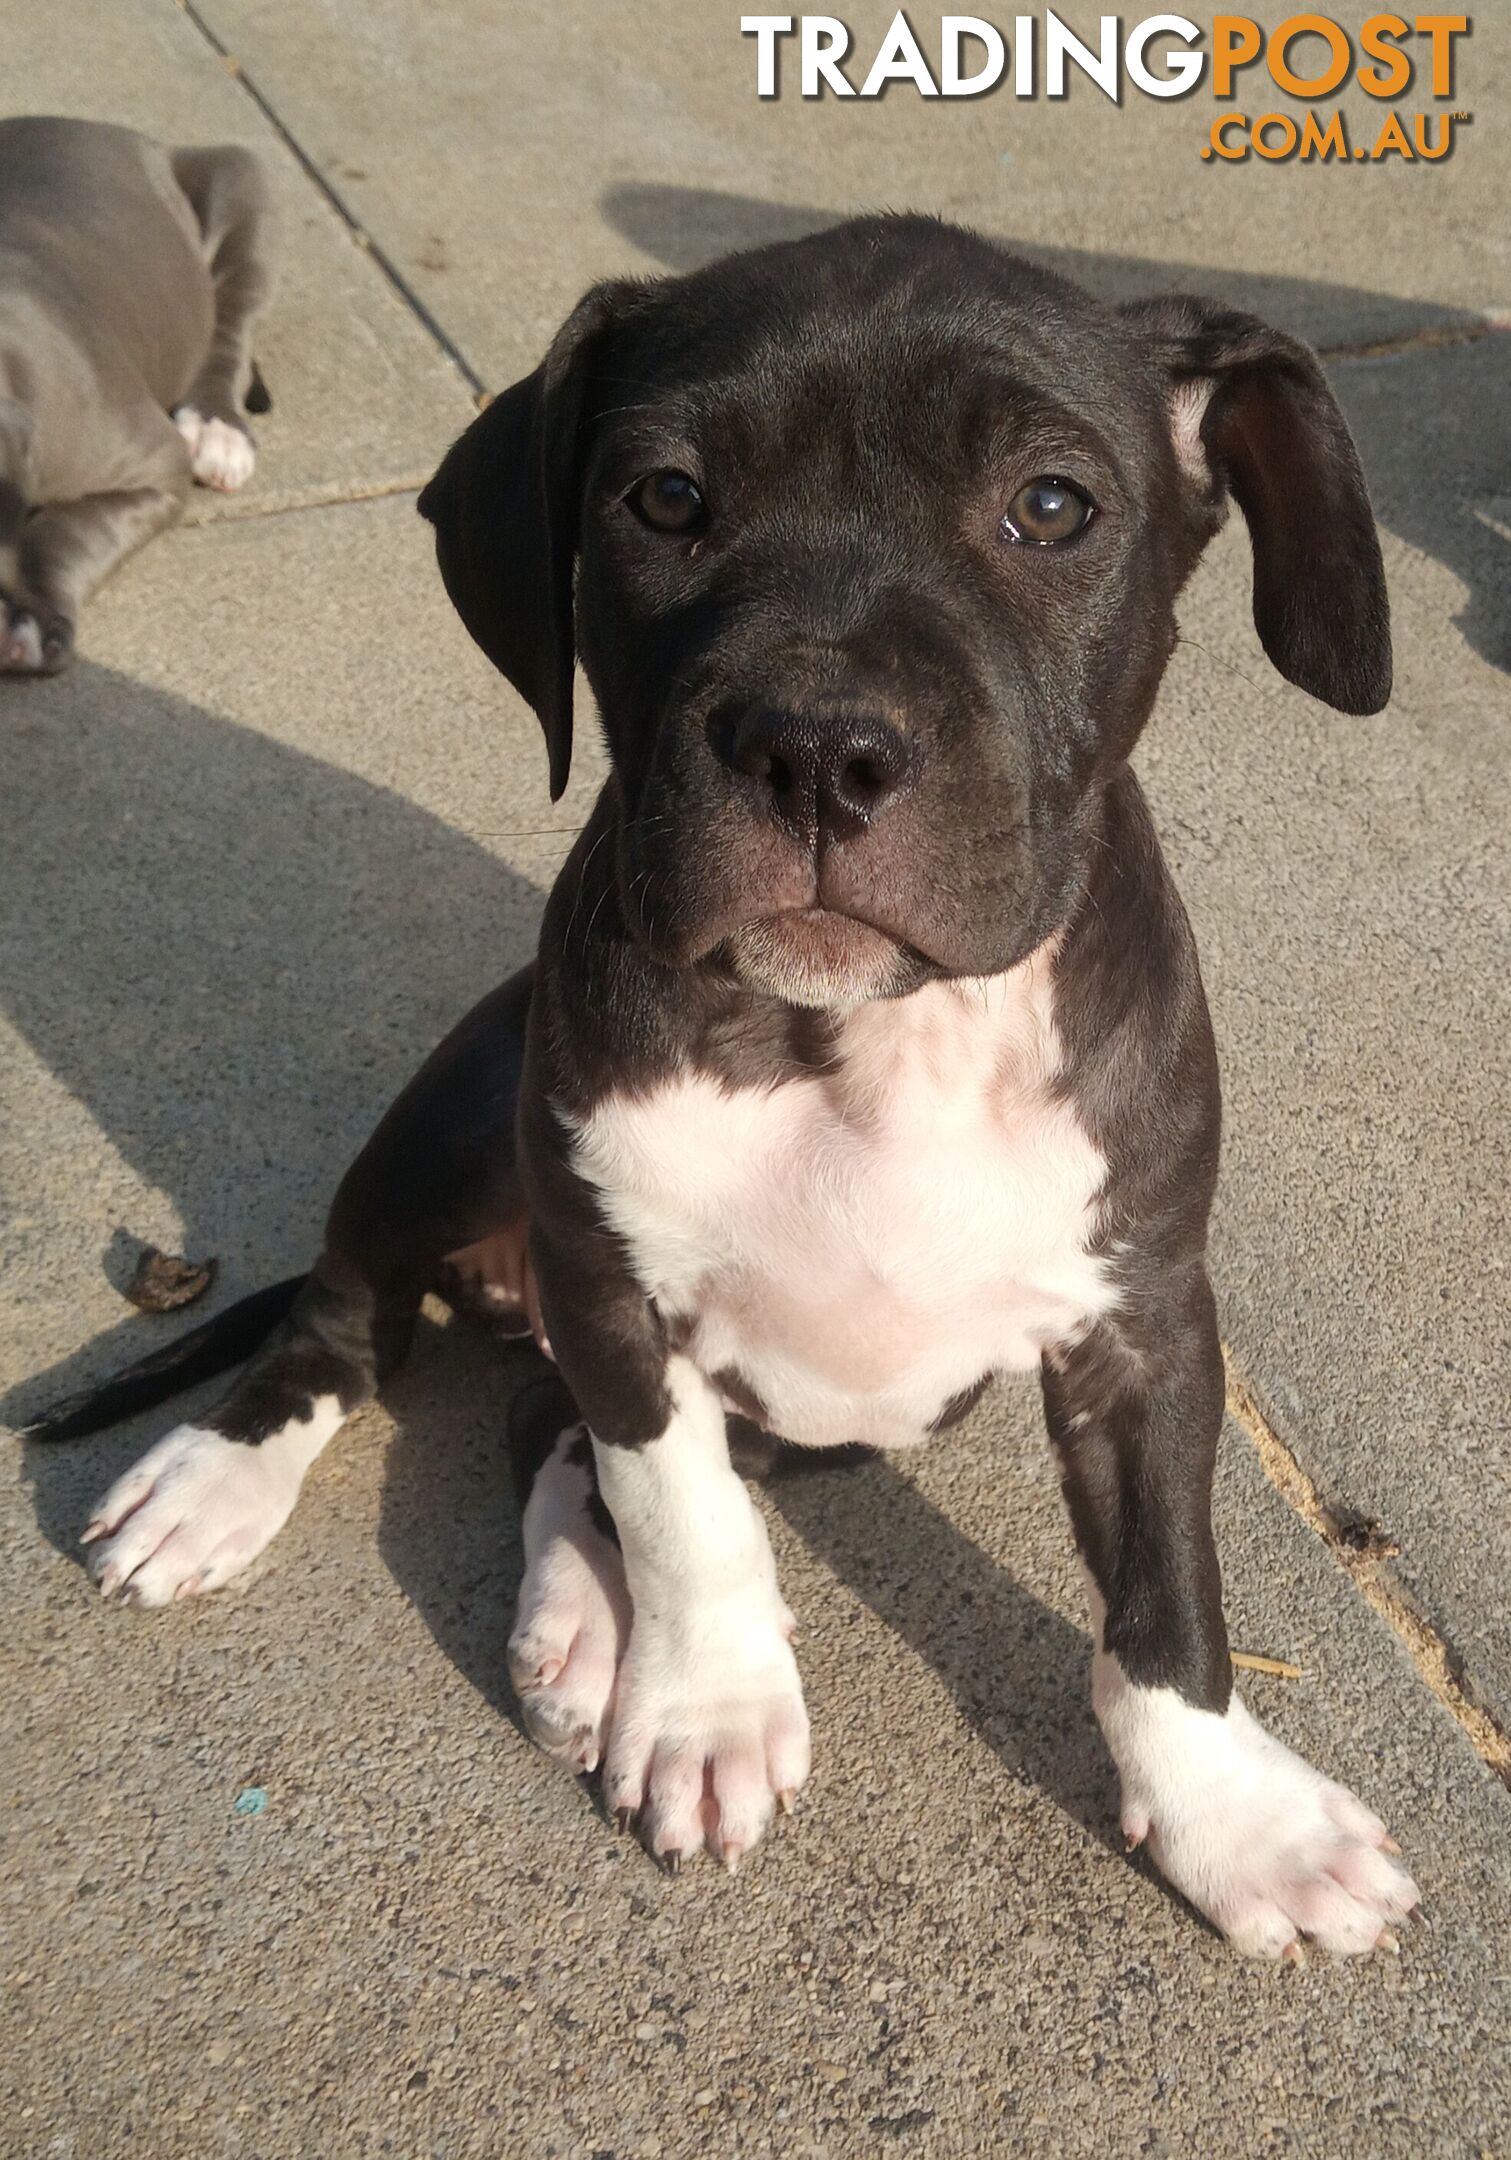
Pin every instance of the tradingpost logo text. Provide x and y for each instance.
(1311, 57)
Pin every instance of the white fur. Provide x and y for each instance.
(221, 455)
(198, 1507)
(20, 639)
(1260, 1842)
(574, 1614)
(863, 1244)
(709, 1728)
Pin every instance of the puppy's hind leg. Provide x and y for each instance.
(206, 1500)
(436, 1178)
(572, 1624)
(63, 552)
(228, 191)
(573, 1618)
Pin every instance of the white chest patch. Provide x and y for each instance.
(864, 1244)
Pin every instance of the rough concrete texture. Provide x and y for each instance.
(282, 824)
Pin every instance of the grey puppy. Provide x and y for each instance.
(131, 275)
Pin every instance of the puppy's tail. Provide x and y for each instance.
(229, 1339)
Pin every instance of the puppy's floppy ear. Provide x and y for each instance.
(505, 507)
(1253, 415)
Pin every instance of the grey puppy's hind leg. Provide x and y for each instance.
(51, 563)
(228, 192)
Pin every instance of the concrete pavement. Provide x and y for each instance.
(282, 824)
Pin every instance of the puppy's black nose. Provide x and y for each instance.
(824, 773)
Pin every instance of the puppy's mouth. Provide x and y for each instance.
(817, 956)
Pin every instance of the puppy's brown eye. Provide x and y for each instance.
(669, 503)
(1045, 511)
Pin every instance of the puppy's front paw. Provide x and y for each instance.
(221, 452)
(34, 639)
(710, 1732)
(1264, 1845)
(188, 1517)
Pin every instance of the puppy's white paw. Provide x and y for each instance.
(33, 643)
(1259, 1841)
(20, 640)
(221, 455)
(198, 1507)
(710, 1731)
(574, 1611)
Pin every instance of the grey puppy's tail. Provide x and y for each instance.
(214, 1347)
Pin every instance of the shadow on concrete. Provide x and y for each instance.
(683, 227)
(232, 954)
(1019, 1673)
(1433, 423)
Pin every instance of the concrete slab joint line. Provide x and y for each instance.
(348, 217)
(1429, 1653)
(240, 509)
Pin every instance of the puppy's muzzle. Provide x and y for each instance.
(823, 775)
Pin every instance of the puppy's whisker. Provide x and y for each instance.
(1219, 660)
(529, 832)
(581, 882)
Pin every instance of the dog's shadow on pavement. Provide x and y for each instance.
(1019, 1672)
(232, 954)
(1432, 420)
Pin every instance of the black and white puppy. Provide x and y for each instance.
(865, 1055)
(131, 275)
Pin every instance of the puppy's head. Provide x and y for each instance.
(870, 545)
